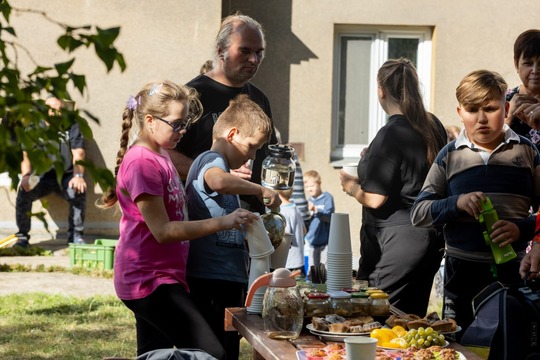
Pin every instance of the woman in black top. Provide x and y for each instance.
(395, 256)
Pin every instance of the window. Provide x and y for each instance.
(359, 53)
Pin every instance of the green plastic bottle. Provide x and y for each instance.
(487, 218)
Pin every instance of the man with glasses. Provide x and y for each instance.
(239, 50)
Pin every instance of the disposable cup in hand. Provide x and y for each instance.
(279, 258)
(258, 241)
(339, 238)
(360, 348)
(351, 169)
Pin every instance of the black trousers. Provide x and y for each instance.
(212, 297)
(48, 184)
(402, 261)
(168, 318)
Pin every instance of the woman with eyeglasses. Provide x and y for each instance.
(523, 115)
(395, 256)
(151, 255)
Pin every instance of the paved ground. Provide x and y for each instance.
(54, 282)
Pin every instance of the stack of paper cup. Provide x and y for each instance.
(279, 258)
(260, 249)
(339, 254)
(259, 266)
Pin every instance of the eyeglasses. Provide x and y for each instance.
(177, 127)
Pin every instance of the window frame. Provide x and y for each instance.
(378, 55)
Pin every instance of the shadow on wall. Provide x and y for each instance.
(283, 48)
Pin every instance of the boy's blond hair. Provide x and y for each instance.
(286, 194)
(479, 87)
(246, 116)
(312, 175)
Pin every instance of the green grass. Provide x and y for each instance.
(40, 326)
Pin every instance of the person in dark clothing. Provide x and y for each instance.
(395, 256)
(72, 186)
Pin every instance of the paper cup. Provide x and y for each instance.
(279, 258)
(339, 239)
(360, 348)
(258, 267)
(258, 240)
(351, 169)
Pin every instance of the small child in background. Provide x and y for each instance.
(321, 207)
(295, 226)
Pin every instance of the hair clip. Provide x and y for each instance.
(155, 89)
(132, 103)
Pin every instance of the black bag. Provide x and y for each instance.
(506, 323)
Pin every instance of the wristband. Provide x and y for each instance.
(79, 175)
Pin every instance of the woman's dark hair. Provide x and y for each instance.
(399, 80)
(527, 44)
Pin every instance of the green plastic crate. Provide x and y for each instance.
(99, 255)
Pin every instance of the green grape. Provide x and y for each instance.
(442, 338)
(429, 330)
(420, 342)
(413, 342)
(435, 341)
(429, 338)
(427, 344)
(421, 331)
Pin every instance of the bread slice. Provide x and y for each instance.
(394, 320)
(445, 325)
(338, 328)
(415, 324)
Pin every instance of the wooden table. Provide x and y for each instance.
(250, 326)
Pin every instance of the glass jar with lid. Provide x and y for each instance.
(341, 303)
(278, 168)
(380, 305)
(317, 304)
(360, 304)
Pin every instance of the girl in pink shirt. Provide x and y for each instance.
(150, 258)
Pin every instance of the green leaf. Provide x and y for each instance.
(10, 30)
(79, 81)
(63, 68)
(106, 37)
(120, 61)
(86, 131)
(69, 43)
(107, 56)
(5, 9)
(40, 70)
(91, 116)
